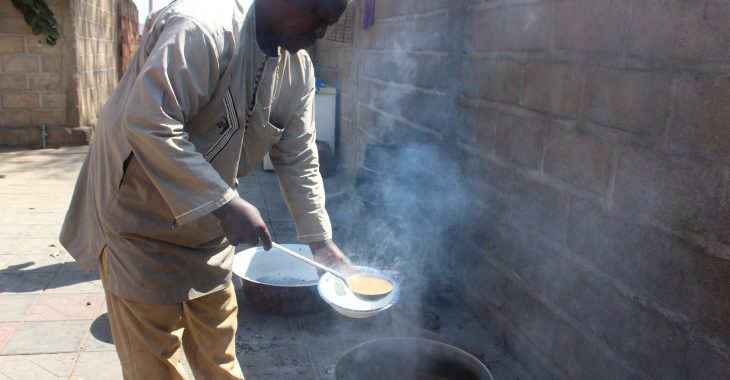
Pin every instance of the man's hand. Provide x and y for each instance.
(326, 252)
(242, 223)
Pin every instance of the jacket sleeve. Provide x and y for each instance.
(296, 162)
(177, 79)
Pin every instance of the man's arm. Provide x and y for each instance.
(178, 78)
(297, 167)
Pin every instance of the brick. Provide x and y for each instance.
(53, 100)
(701, 114)
(20, 63)
(496, 80)
(45, 81)
(402, 8)
(22, 100)
(579, 158)
(632, 101)
(680, 191)
(34, 47)
(13, 82)
(483, 30)
(541, 210)
(680, 30)
(12, 44)
(14, 118)
(526, 28)
(520, 140)
(553, 88)
(591, 25)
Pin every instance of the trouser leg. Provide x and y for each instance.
(147, 336)
(209, 338)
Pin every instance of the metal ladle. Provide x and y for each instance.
(336, 273)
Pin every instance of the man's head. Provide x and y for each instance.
(297, 24)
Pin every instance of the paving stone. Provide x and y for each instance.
(31, 246)
(36, 263)
(75, 282)
(7, 329)
(102, 365)
(37, 367)
(46, 337)
(24, 282)
(65, 307)
(100, 337)
(13, 307)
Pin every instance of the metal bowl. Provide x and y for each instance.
(278, 283)
(336, 293)
(407, 358)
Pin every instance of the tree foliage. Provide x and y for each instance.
(40, 18)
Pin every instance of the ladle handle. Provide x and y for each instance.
(309, 261)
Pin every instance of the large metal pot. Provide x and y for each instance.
(409, 359)
(278, 283)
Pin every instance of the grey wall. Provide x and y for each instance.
(586, 150)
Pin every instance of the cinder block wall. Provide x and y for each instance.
(592, 143)
(34, 78)
(97, 51)
(62, 87)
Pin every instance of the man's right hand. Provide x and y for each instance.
(242, 223)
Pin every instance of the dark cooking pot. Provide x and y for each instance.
(278, 283)
(409, 359)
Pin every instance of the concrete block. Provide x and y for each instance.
(553, 88)
(14, 118)
(483, 30)
(12, 44)
(407, 68)
(491, 79)
(13, 23)
(53, 100)
(520, 140)
(51, 64)
(541, 210)
(680, 30)
(45, 81)
(20, 100)
(20, 63)
(491, 184)
(478, 127)
(632, 101)
(579, 158)
(431, 32)
(654, 264)
(527, 28)
(390, 9)
(13, 82)
(591, 25)
(701, 114)
(680, 191)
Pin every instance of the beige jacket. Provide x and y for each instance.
(170, 142)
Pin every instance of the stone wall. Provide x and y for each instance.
(589, 221)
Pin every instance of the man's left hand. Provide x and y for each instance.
(326, 252)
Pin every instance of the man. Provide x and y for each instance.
(214, 86)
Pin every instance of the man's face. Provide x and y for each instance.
(301, 22)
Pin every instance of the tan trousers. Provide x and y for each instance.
(148, 336)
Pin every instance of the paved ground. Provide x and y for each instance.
(53, 322)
